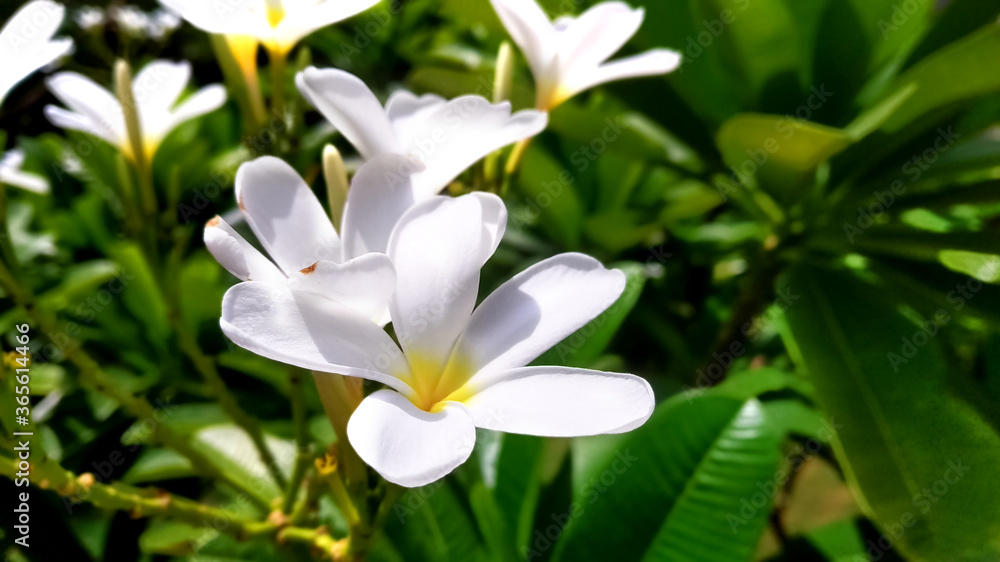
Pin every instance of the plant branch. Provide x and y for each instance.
(302, 455)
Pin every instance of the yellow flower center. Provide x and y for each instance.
(435, 384)
(275, 12)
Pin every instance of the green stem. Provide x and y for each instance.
(140, 502)
(302, 456)
(206, 367)
(279, 60)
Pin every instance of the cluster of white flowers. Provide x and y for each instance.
(403, 254)
(155, 25)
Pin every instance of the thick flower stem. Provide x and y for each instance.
(516, 155)
(143, 164)
(278, 60)
(340, 396)
(302, 455)
(95, 378)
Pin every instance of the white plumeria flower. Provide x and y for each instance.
(155, 88)
(308, 255)
(277, 24)
(569, 55)
(26, 42)
(457, 366)
(89, 17)
(131, 20)
(445, 136)
(11, 173)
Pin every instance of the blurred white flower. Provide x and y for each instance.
(26, 42)
(11, 173)
(161, 23)
(131, 20)
(457, 366)
(156, 89)
(570, 54)
(444, 136)
(89, 17)
(277, 24)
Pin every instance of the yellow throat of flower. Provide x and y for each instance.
(275, 12)
(434, 385)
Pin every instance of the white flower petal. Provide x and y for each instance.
(535, 310)
(597, 34)
(90, 100)
(311, 332)
(77, 122)
(303, 18)
(460, 133)
(156, 88)
(365, 283)
(407, 112)
(237, 255)
(351, 107)
(530, 28)
(285, 214)
(229, 18)
(407, 445)
(381, 192)
(11, 174)
(438, 248)
(494, 221)
(649, 63)
(203, 101)
(25, 41)
(562, 402)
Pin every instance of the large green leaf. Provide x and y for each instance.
(963, 70)
(917, 449)
(692, 484)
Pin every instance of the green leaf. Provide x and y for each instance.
(909, 425)
(685, 486)
(550, 198)
(141, 294)
(961, 71)
(154, 465)
(985, 267)
(783, 152)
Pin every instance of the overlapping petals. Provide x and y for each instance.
(305, 250)
(26, 42)
(455, 368)
(156, 89)
(569, 55)
(445, 136)
(279, 25)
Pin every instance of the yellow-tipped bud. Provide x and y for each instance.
(337, 185)
(503, 80)
(123, 90)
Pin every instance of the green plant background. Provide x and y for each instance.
(807, 212)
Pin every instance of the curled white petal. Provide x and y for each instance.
(407, 445)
